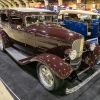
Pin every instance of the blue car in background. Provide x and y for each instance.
(86, 23)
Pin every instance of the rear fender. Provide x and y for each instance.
(57, 65)
(5, 38)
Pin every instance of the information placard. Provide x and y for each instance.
(93, 40)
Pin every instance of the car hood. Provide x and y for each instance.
(53, 30)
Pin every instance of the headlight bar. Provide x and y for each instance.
(92, 46)
(73, 54)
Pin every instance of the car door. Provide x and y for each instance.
(15, 31)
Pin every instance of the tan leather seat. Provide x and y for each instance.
(75, 18)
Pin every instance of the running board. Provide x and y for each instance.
(17, 55)
(75, 88)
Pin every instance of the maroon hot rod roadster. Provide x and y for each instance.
(34, 35)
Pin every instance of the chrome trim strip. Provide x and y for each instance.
(75, 63)
(71, 90)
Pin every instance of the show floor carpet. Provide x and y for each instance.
(22, 80)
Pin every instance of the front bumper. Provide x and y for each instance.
(75, 88)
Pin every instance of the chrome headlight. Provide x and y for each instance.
(92, 46)
(73, 54)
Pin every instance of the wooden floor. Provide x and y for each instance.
(4, 94)
(23, 82)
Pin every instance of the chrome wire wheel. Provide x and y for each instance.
(1, 44)
(46, 76)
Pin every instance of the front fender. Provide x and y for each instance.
(90, 57)
(55, 63)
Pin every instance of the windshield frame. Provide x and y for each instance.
(56, 17)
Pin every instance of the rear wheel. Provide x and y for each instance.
(47, 78)
(1, 44)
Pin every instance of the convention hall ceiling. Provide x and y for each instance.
(20, 3)
(25, 3)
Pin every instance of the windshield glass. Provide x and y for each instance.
(84, 16)
(40, 19)
(81, 16)
(95, 17)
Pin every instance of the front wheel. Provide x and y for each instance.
(97, 61)
(47, 78)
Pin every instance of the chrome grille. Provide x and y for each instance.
(78, 46)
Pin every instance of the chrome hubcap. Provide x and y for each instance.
(46, 76)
